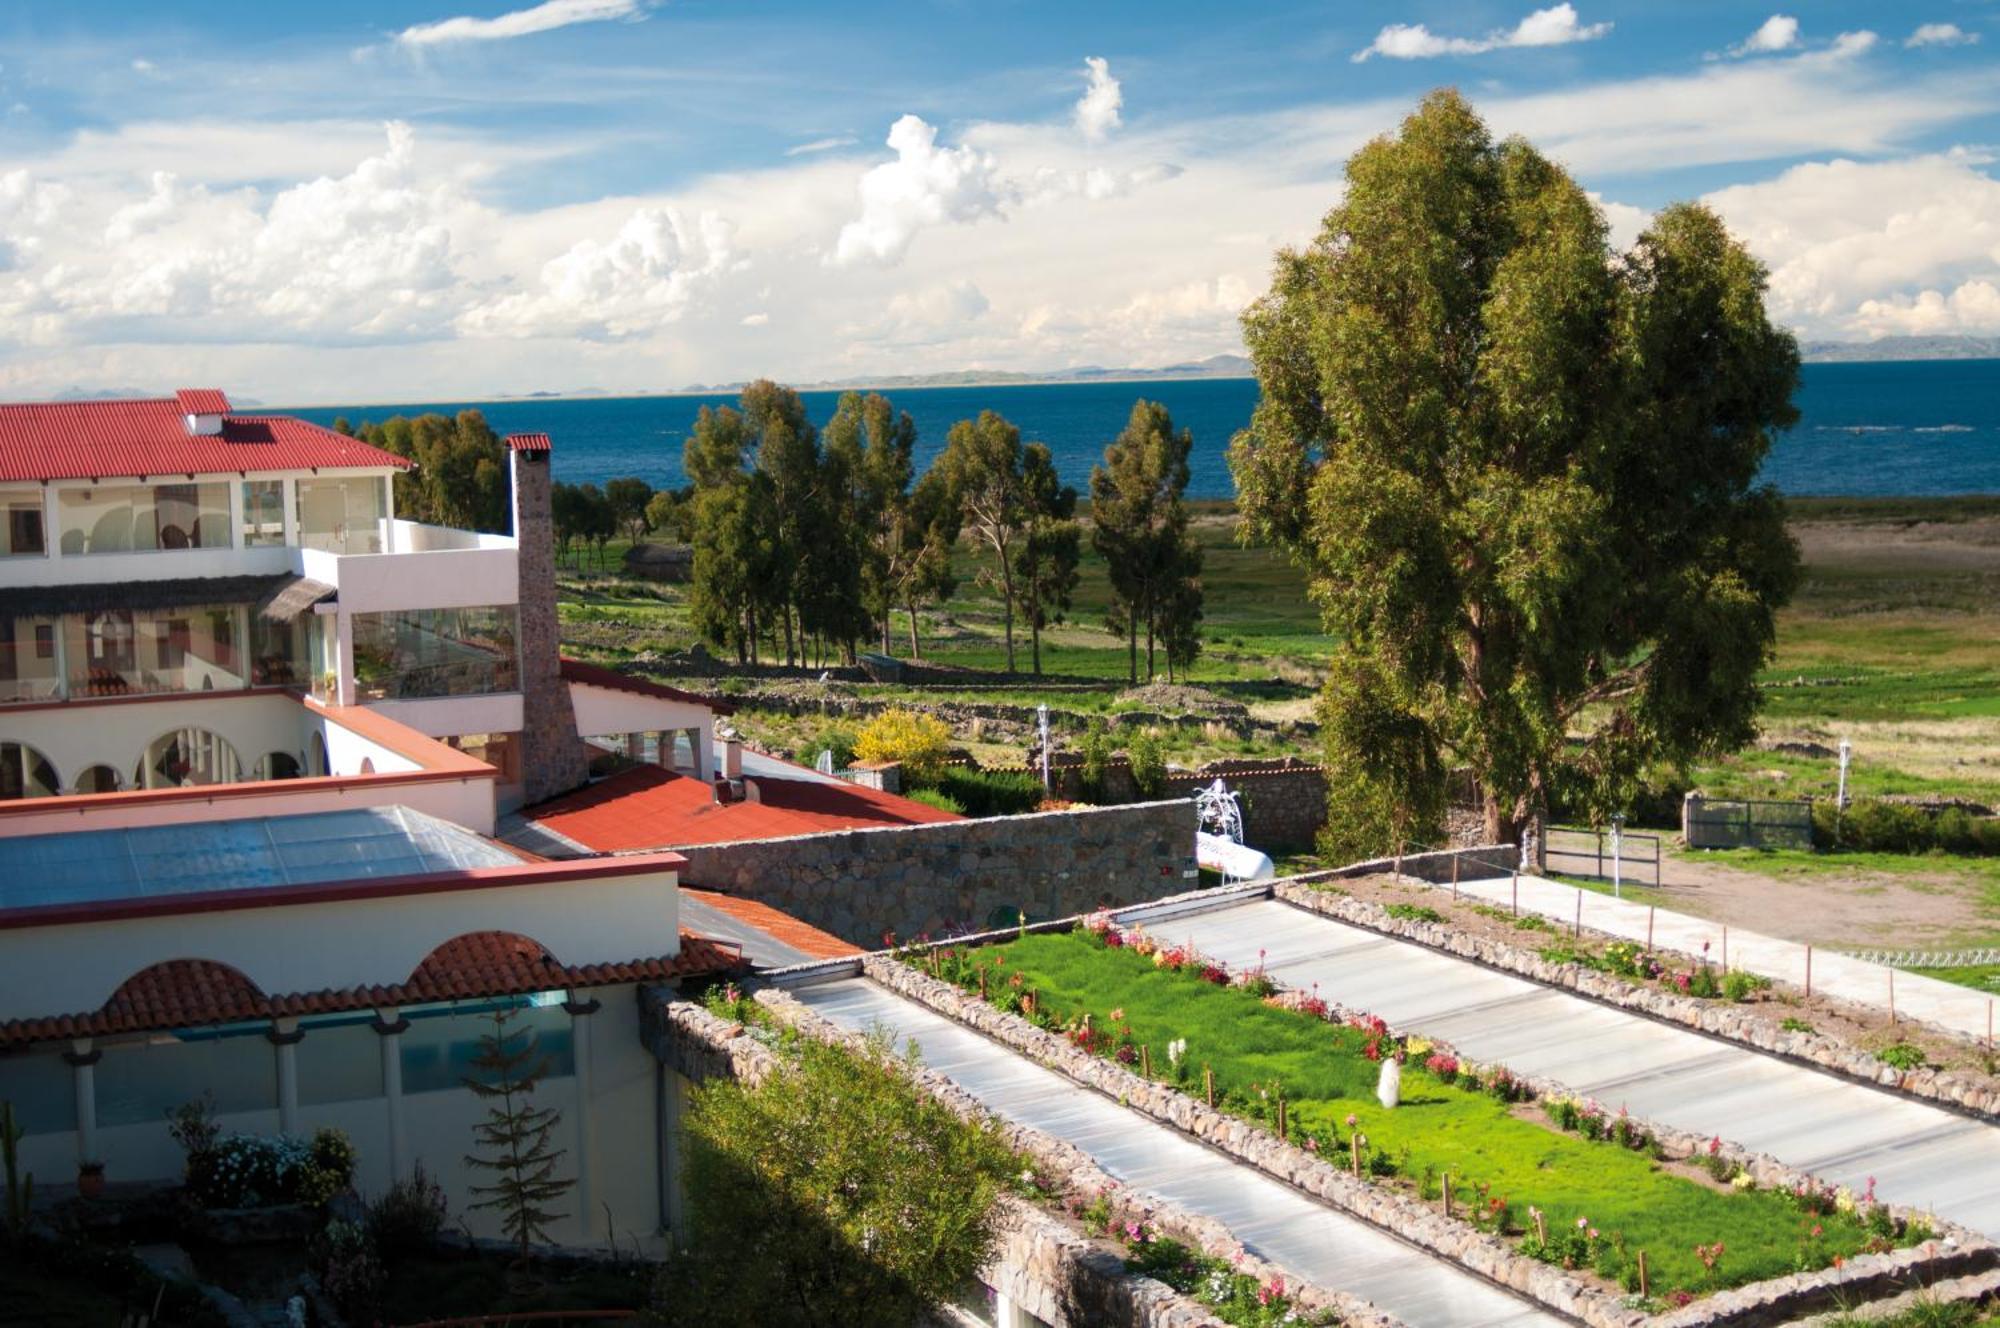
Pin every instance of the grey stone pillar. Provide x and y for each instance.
(552, 756)
(391, 1026)
(586, 1136)
(83, 1059)
(286, 1035)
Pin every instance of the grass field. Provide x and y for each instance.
(1257, 1050)
(1893, 641)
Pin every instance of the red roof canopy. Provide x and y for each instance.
(69, 440)
(645, 807)
(202, 401)
(528, 442)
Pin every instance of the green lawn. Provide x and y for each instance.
(1257, 1049)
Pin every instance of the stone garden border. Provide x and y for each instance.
(1954, 1250)
(1721, 1019)
(699, 1045)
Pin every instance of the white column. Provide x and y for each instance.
(291, 514)
(285, 1036)
(704, 752)
(83, 1062)
(236, 513)
(51, 532)
(586, 1144)
(343, 655)
(673, 1111)
(390, 1025)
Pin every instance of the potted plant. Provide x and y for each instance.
(90, 1178)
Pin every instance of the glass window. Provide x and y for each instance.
(340, 1062)
(123, 517)
(42, 1087)
(263, 512)
(28, 659)
(343, 515)
(435, 652)
(187, 756)
(21, 523)
(277, 652)
(26, 773)
(120, 652)
(139, 1083)
(439, 1046)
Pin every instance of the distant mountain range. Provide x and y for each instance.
(1215, 366)
(1901, 348)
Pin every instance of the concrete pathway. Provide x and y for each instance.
(1327, 1248)
(1839, 1130)
(1916, 997)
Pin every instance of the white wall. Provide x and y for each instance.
(81, 734)
(606, 710)
(445, 716)
(620, 1115)
(449, 579)
(75, 967)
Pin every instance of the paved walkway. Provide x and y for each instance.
(1916, 997)
(1834, 1128)
(1326, 1248)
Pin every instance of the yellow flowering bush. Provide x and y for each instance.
(919, 742)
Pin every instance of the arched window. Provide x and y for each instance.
(99, 779)
(278, 765)
(26, 773)
(188, 756)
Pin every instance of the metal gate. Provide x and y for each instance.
(1578, 850)
(1746, 823)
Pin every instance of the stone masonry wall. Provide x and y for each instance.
(552, 758)
(926, 879)
(1045, 1266)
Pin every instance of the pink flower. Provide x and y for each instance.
(1351, 1122)
(1583, 1224)
(1715, 1145)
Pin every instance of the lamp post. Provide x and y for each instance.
(1846, 754)
(1042, 719)
(1617, 855)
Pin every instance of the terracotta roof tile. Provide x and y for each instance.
(647, 807)
(781, 927)
(197, 993)
(59, 440)
(528, 442)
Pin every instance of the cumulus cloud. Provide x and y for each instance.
(1780, 32)
(1940, 34)
(545, 17)
(1865, 247)
(1097, 109)
(925, 185)
(1557, 25)
(643, 277)
(1972, 308)
(1850, 44)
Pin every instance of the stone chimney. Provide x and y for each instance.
(552, 757)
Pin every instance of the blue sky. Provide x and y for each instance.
(473, 196)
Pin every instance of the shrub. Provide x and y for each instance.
(1095, 747)
(349, 1270)
(836, 738)
(1875, 826)
(1740, 986)
(930, 797)
(920, 742)
(991, 792)
(1414, 913)
(1903, 1056)
(1149, 764)
(409, 1214)
(251, 1170)
(1793, 1024)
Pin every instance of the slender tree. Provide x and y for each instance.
(981, 464)
(919, 570)
(1520, 471)
(868, 449)
(629, 496)
(1139, 523)
(1045, 559)
(513, 1141)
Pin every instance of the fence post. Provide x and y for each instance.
(1809, 972)
(1649, 926)
(1517, 892)
(1576, 932)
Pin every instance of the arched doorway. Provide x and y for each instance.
(188, 756)
(26, 773)
(278, 765)
(100, 779)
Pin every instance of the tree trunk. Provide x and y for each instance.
(1132, 645)
(916, 650)
(1149, 645)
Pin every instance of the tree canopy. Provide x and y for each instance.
(1520, 471)
(1139, 522)
(460, 478)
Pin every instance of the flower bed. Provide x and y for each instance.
(1592, 1199)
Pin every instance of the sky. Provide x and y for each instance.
(463, 198)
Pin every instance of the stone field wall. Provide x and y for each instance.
(925, 879)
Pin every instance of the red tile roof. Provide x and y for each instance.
(781, 927)
(528, 442)
(202, 401)
(67, 440)
(596, 675)
(198, 993)
(646, 807)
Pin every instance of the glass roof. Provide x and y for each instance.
(149, 862)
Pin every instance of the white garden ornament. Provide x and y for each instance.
(1389, 1088)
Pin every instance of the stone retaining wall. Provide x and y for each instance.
(1954, 1251)
(1048, 1268)
(927, 879)
(1739, 1024)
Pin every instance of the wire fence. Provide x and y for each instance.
(1928, 958)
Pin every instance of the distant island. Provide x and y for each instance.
(1215, 366)
(1901, 348)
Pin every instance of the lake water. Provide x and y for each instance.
(1909, 428)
